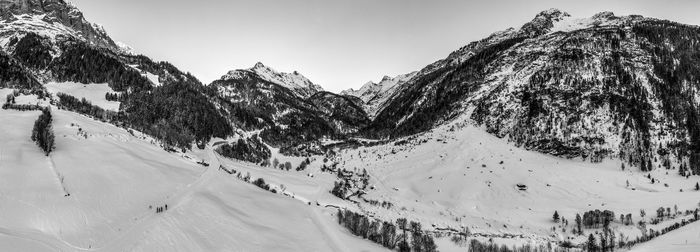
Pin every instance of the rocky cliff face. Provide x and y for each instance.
(597, 87)
(62, 17)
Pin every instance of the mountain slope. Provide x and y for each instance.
(598, 87)
(286, 118)
(49, 41)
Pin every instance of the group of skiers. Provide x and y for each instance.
(162, 208)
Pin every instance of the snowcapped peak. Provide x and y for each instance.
(553, 13)
(543, 22)
(375, 94)
(605, 18)
(293, 81)
(604, 15)
(62, 18)
(125, 48)
(260, 65)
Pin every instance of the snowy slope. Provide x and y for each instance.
(114, 178)
(685, 239)
(292, 81)
(460, 176)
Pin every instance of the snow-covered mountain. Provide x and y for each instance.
(604, 86)
(375, 94)
(470, 147)
(292, 81)
(284, 112)
(55, 19)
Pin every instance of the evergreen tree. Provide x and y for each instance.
(416, 237)
(556, 217)
(591, 243)
(578, 224)
(403, 245)
(42, 133)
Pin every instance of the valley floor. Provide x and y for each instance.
(99, 190)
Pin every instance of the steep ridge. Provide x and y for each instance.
(597, 87)
(374, 95)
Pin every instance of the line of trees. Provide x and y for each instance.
(116, 96)
(385, 233)
(42, 133)
(478, 246)
(85, 107)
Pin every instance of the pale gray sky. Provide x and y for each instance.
(337, 44)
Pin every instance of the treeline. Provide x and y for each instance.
(646, 236)
(119, 97)
(84, 106)
(385, 233)
(42, 133)
(10, 102)
(250, 150)
(477, 246)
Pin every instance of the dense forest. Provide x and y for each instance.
(251, 149)
(83, 63)
(177, 113)
(14, 75)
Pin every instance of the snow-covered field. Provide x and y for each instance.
(460, 176)
(95, 93)
(116, 180)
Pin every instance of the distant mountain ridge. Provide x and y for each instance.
(292, 81)
(374, 95)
